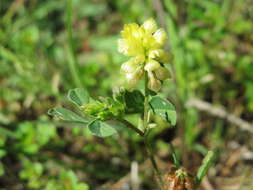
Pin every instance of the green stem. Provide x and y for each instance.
(131, 126)
(146, 132)
(153, 162)
(72, 62)
(174, 156)
(145, 114)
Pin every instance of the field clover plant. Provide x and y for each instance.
(105, 116)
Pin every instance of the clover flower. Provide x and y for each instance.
(145, 46)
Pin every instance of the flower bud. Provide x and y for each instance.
(152, 65)
(160, 36)
(150, 25)
(162, 73)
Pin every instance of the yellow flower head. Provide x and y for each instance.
(145, 44)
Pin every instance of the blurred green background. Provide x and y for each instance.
(50, 46)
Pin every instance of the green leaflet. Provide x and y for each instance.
(78, 96)
(101, 129)
(66, 115)
(164, 109)
(134, 101)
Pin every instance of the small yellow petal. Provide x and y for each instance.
(152, 65)
(160, 36)
(150, 25)
(128, 30)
